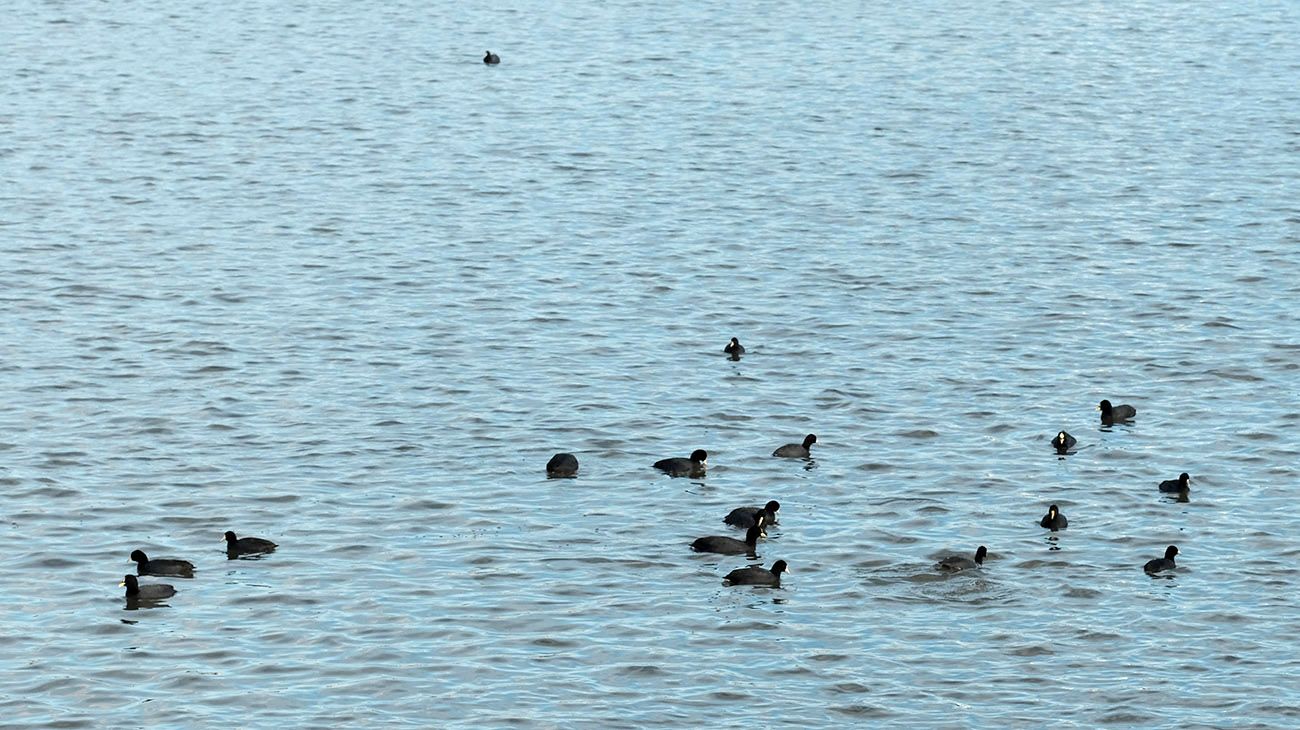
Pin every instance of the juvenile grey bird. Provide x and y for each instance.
(1165, 563)
(797, 451)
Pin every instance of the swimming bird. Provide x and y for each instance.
(247, 545)
(1181, 484)
(734, 348)
(749, 516)
(756, 576)
(797, 451)
(491, 58)
(1054, 519)
(730, 545)
(1063, 442)
(149, 592)
(1165, 563)
(1110, 414)
(165, 566)
(562, 465)
(679, 467)
(956, 563)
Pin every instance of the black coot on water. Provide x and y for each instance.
(734, 349)
(957, 563)
(163, 566)
(562, 465)
(797, 451)
(679, 467)
(730, 545)
(1165, 563)
(1054, 519)
(145, 593)
(1111, 414)
(1181, 484)
(247, 545)
(748, 516)
(1063, 442)
(756, 576)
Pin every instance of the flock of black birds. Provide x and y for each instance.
(137, 594)
(755, 520)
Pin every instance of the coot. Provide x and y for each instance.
(1110, 414)
(730, 545)
(562, 465)
(797, 451)
(164, 566)
(149, 592)
(1165, 563)
(1054, 519)
(247, 545)
(955, 563)
(748, 516)
(756, 576)
(679, 467)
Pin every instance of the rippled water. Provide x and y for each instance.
(314, 273)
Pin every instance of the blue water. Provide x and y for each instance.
(314, 273)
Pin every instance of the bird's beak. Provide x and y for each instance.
(122, 584)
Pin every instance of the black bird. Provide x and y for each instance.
(1063, 442)
(562, 465)
(734, 348)
(749, 516)
(165, 566)
(1110, 414)
(1179, 485)
(1054, 519)
(149, 592)
(730, 545)
(1165, 563)
(491, 58)
(679, 467)
(956, 563)
(756, 576)
(797, 451)
(247, 545)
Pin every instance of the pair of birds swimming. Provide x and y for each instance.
(235, 547)
(1110, 415)
(697, 463)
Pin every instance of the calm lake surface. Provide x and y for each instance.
(313, 272)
